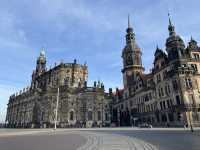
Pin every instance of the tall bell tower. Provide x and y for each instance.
(131, 55)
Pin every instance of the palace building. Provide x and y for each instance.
(167, 96)
(79, 105)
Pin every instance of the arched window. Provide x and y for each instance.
(71, 115)
(89, 115)
(99, 115)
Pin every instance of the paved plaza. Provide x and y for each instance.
(99, 139)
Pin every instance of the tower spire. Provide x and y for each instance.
(129, 25)
(170, 22)
(132, 61)
(191, 38)
(171, 27)
(130, 36)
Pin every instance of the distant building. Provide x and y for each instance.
(167, 96)
(79, 105)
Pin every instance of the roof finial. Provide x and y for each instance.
(157, 46)
(42, 52)
(129, 21)
(171, 27)
(170, 22)
(191, 38)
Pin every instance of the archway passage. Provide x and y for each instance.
(71, 115)
(125, 118)
(36, 114)
(90, 115)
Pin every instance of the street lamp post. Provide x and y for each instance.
(56, 113)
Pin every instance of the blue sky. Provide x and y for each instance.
(92, 31)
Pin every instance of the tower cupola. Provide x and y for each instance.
(41, 63)
(174, 43)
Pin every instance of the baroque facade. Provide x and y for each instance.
(79, 105)
(167, 96)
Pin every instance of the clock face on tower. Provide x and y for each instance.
(129, 60)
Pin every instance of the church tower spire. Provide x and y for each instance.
(129, 26)
(130, 36)
(171, 27)
(131, 54)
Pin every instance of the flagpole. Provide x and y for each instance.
(56, 115)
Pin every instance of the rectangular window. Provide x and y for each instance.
(90, 115)
(162, 63)
(161, 106)
(168, 87)
(99, 115)
(178, 101)
(168, 103)
(166, 90)
(152, 107)
(150, 96)
(165, 74)
(175, 84)
(194, 67)
(162, 93)
(158, 78)
(106, 116)
(164, 106)
(188, 83)
(171, 117)
(171, 103)
(196, 56)
(159, 93)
